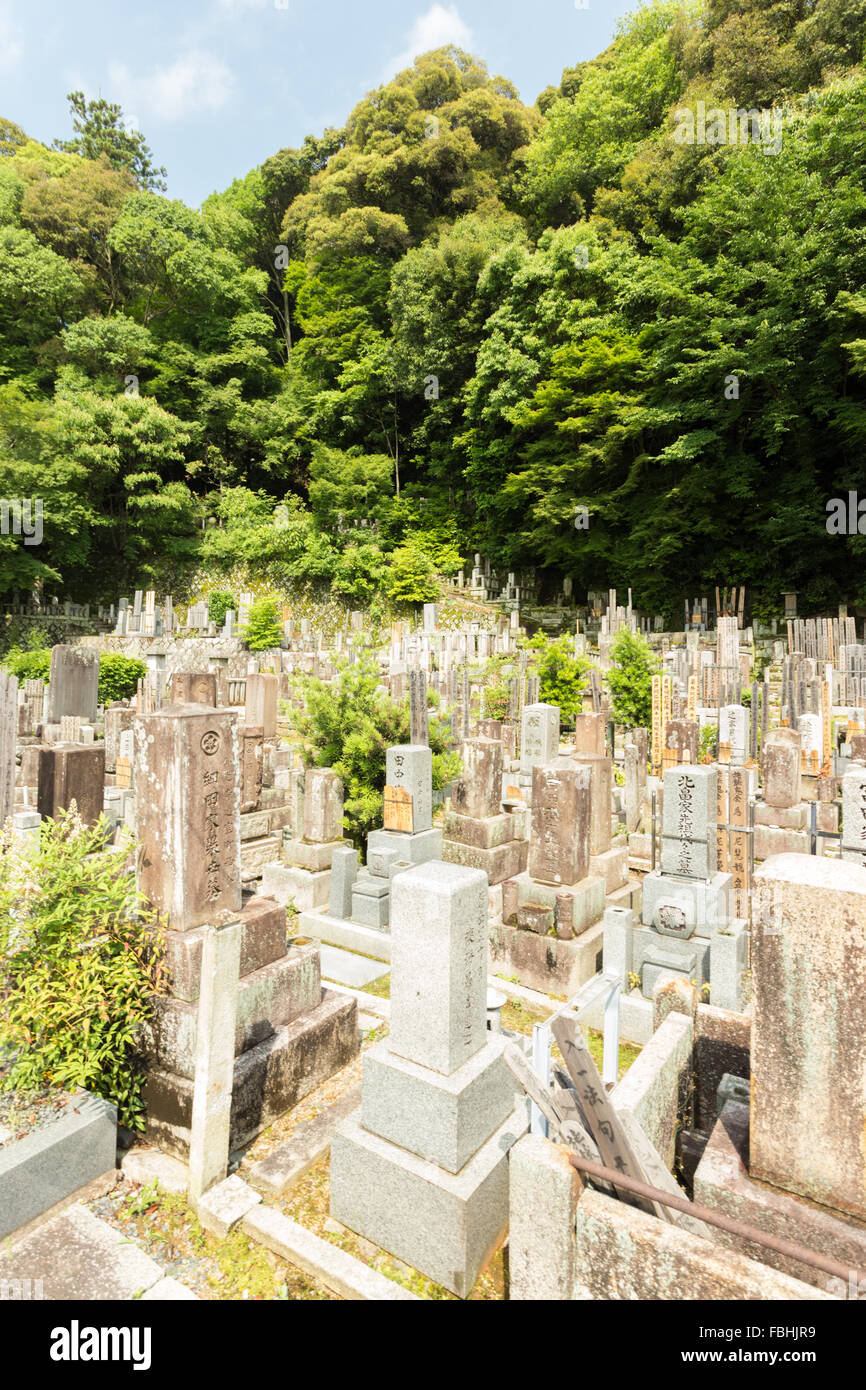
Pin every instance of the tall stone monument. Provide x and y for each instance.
(422, 1168)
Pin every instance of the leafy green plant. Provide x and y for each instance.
(263, 630)
(119, 676)
(630, 679)
(28, 665)
(80, 961)
(708, 743)
(348, 724)
(218, 604)
(563, 677)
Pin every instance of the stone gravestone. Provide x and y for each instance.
(808, 1048)
(8, 733)
(70, 773)
(854, 815)
(781, 768)
(187, 778)
(261, 703)
(73, 683)
(194, 688)
(559, 844)
(418, 706)
(539, 739)
(422, 1168)
(476, 832)
(688, 844)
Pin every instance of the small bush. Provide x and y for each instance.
(119, 676)
(630, 679)
(218, 604)
(563, 677)
(79, 963)
(264, 629)
(29, 665)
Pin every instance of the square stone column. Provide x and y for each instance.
(808, 1055)
(187, 781)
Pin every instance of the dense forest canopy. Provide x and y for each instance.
(457, 320)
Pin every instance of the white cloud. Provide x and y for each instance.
(10, 46)
(238, 6)
(434, 29)
(194, 83)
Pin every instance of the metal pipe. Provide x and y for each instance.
(715, 1218)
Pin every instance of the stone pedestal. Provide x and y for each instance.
(67, 773)
(422, 1168)
(809, 1030)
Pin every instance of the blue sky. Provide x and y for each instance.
(218, 85)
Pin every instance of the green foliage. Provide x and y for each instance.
(348, 724)
(264, 629)
(81, 961)
(28, 665)
(563, 677)
(708, 743)
(100, 133)
(119, 676)
(630, 679)
(218, 604)
(449, 324)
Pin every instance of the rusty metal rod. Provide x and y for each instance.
(715, 1218)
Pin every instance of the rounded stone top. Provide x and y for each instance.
(809, 870)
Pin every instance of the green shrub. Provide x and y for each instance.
(218, 604)
(563, 677)
(264, 629)
(630, 679)
(29, 665)
(119, 676)
(79, 963)
(348, 724)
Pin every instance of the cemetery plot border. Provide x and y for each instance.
(56, 1160)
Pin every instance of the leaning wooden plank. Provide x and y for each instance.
(603, 1120)
(569, 1129)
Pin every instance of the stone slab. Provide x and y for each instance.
(352, 936)
(318, 1258)
(445, 1119)
(299, 887)
(225, 1204)
(347, 968)
(263, 940)
(57, 1159)
(288, 1162)
(445, 1225)
(81, 1259)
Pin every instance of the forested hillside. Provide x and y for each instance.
(456, 321)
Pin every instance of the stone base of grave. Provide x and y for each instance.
(255, 854)
(544, 962)
(417, 848)
(537, 901)
(722, 1182)
(313, 856)
(352, 936)
(499, 863)
(446, 1225)
(444, 1119)
(705, 903)
(658, 959)
(302, 887)
(612, 866)
(268, 998)
(729, 962)
(268, 1079)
